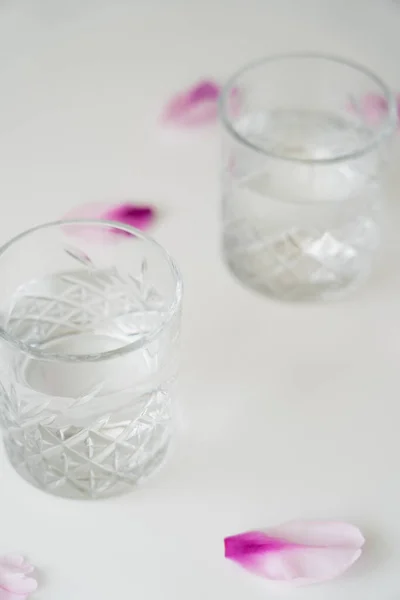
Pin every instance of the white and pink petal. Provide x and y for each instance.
(14, 583)
(15, 562)
(373, 108)
(197, 105)
(18, 583)
(138, 215)
(298, 552)
(194, 106)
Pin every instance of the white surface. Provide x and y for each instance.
(288, 411)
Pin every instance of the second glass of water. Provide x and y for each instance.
(90, 317)
(304, 146)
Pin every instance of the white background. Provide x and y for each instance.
(287, 411)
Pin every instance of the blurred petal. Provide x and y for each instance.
(5, 595)
(14, 584)
(140, 216)
(372, 107)
(298, 552)
(18, 583)
(16, 562)
(195, 106)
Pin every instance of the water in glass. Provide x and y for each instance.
(87, 360)
(300, 230)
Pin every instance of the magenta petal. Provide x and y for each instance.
(206, 90)
(140, 217)
(298, 552)
(195, 106)
(135, 215)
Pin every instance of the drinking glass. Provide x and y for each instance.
(90, 317)
(305, 142)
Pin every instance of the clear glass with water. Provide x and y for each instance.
(90, 318)
(302, 179)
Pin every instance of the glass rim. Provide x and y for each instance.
(387, 128)
(146, 339)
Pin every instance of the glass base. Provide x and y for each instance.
(87, 481)
(287, 288)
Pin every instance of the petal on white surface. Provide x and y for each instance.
(18, 583)
(195, 106)
(12, 560)
(15, 562)
(332, 533)
(5, 595)
(13, 579)
(298, 552)
(138, 215)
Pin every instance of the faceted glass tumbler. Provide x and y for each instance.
(90, 318)
(305, 142)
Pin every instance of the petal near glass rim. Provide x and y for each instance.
(373, 106)
(387, 128)
(139, 215)
(196, 106)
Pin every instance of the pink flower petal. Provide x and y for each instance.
(372, 107)
(17, 583)
(4, 595)
(198, 105)
(14, 584)
(195, 106)
(15, 562)
(298, 552)
(140, 216)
